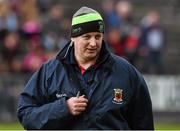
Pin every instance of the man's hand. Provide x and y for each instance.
(77, 105)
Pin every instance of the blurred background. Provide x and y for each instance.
(145, 32)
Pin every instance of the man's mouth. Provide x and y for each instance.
(92, 50)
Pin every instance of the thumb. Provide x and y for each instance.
(83, 96)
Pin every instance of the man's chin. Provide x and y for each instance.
(91, 57)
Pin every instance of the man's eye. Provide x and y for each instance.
(97, 37)
(86, 37)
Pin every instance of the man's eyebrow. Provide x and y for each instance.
(86, 35)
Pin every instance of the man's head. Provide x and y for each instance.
(87, 33)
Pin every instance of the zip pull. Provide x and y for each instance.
(78, 94)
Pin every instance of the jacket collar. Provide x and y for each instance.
(67, 55)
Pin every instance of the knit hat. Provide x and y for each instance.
(86, 20)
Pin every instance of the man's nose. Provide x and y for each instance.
(93, 42)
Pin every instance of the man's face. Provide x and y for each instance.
(88, 46)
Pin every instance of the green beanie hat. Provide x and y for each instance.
(86, 20)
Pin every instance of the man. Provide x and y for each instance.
(85, 86)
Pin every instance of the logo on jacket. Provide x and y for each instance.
(60, 95)
(118, 95)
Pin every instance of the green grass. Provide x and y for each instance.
(159, 126)
(10, 126)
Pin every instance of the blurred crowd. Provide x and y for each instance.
(33, 31)
(141, 44)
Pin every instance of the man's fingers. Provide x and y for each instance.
(81, 105)
(75, 113)
(82, 100)
(77, 105)
(83, 96)
(79, 109)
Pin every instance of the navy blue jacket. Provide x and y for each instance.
(42, 104)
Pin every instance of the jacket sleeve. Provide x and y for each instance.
(34, 112)
(140, 114)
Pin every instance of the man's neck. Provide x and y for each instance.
(85, 63)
